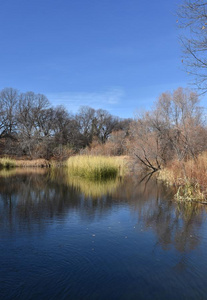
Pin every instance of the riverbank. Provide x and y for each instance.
(79, 165)
(189, 178)
(9, 163)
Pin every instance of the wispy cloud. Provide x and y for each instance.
(73, 100)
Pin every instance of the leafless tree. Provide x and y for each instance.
(192, 19)
(174, 129)
(8, 104)
(182, 119)
(105, 123)
(144, 142)
(9, 98)
(85, 119)
(96, 124)
(29, 111)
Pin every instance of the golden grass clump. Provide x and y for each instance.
(6, 162)
(95, 167)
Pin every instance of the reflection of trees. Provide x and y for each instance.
(35, 196)
(171, 226)
(32, 198)
(175, 224)
(29, 196)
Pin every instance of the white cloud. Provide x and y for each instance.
(73, 100)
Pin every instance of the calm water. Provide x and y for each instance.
(62, 238)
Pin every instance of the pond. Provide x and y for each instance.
(65, 238)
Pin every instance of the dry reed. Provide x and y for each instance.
(189, 178)
(95, 167)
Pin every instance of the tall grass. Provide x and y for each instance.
(7, 163)
(95, 167)
(189, 178)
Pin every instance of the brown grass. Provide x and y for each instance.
(190, 178)
(38, 163)
(22, 171)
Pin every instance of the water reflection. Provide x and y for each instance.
(174, 223)
(127, 238)
(90, 188)
(38, 194)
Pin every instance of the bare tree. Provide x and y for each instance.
(8, 104)
(104, 123)
(85, 119)
(66, 129)
(192, 19)
(144, 142)
(29, 111)
(96, 124)
(182, 122)
(9, 98)
(174, 129)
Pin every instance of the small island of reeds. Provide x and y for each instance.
(95, 167)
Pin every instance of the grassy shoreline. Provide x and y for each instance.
(188, 178)
(92, 167)
(9, 163)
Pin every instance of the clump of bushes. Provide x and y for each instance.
(114, 146)
(95, 167)
(34, 163)
(189, 178)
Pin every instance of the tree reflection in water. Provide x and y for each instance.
(28, 198)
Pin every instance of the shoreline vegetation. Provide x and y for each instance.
(189, 178)
(96, 167)
(9, 163)
(86, 166)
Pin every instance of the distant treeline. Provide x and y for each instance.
(175, 129)
(31, 127)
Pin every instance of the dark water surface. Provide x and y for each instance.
(63, 238)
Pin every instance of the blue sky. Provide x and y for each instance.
(118, 55)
